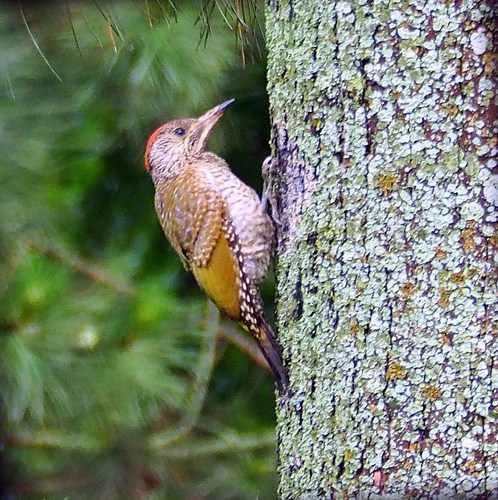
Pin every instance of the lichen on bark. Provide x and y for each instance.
(384, 128)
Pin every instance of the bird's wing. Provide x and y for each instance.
(164, 204)
(193, 222)
(207, 248)
(191, 216)
(199, 216)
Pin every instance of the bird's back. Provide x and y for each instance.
(252, 224)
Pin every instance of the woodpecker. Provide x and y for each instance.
(217, 224)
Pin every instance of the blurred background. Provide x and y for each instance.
(117, 380)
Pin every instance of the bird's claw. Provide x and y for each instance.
(267, 200)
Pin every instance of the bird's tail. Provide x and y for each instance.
(251, 314)
(273, 353)
(254, 320)
(271, 350)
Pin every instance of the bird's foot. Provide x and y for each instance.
(268, 200)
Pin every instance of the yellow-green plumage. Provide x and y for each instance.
(216, 223)
(192, 220)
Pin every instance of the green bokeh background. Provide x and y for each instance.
(113, 383)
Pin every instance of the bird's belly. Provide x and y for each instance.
(255, 232)
(219, 279)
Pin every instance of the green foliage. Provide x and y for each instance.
(106, 349)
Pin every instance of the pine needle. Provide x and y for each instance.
(35, 43)
(73, 31)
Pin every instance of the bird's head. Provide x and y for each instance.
(175, 142)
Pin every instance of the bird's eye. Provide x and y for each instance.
(179, 131)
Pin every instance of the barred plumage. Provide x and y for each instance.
(216, 223)
(252, 313)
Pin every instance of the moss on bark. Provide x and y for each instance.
(384, 128)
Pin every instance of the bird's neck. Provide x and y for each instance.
(167, 171)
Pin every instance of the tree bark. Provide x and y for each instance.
(384, 131)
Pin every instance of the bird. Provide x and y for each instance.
(217, 224)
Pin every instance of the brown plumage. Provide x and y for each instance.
(216, 223)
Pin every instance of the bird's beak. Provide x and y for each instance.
(200, 131)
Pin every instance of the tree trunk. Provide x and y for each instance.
(384, 128)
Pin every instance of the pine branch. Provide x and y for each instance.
(88, 269)
(246, 344)
(202, 377)
(229, 443)
(54, 439)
